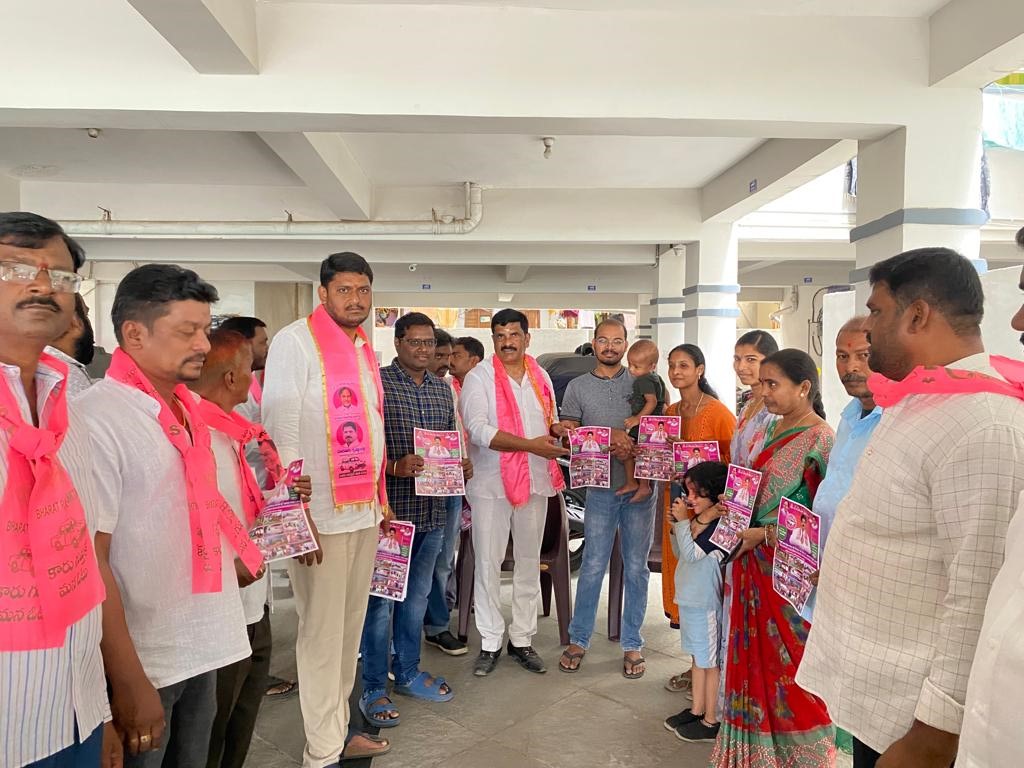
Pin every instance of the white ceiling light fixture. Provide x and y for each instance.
(549, 142)
(505, 298)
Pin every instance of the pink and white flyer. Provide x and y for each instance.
(441, 452)
(282, 528)
(688, 455)
(590, 460)
(741, 486)
(654, 459)
(798, 555)
(390, 577)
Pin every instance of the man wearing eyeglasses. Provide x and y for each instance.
(53, 697)
(601, 399)
(413, 398)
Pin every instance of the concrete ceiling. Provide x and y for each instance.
(142, 157)
(576, 162)
(890, 8)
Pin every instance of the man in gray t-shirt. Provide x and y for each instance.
(601, 399)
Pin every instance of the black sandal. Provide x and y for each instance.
(570, 658)
(632, 664)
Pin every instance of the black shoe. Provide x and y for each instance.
(697, 731)
(485, 663)
(684, 717)
(527, 658)
(447, 643)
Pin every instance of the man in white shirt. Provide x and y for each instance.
(331, 600)
(76, 348)
(173, 615)
(457, 357)
(530, 449)
(53, 699)
(991, 736)
(224, 384)
(917, 542)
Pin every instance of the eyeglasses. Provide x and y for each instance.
(601, 341)
(60, 281)
(421, 343)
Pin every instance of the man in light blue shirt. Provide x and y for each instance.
(858, 421)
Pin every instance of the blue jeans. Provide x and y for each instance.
(81, 754)
(605, 514)
(438, 614)
(408, 620)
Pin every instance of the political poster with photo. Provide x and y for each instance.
(390, 577)
(654, 460)
(741, 486)
(282, 528)
(441, 452)
(798, 555)
(590, 460)
(689, 455)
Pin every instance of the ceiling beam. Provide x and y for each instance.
(324, 162)
(776, 167)
(217, 37)
(759, 265)
(973, 42)
(516, 273)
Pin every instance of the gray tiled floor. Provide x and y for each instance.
(513, 719)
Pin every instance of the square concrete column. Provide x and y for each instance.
(920, 186)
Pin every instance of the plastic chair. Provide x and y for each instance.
(616, 571)
(554, 570)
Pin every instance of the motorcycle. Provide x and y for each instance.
(575, 506)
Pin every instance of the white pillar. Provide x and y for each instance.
(644, 312)
(10, 194)
(920, 186)
(710, 312)
(666, 307)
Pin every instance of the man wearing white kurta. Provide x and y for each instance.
(493, 513)
(330, 599)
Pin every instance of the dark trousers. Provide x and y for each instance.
(189, 708)
(240, 690)
(863, 755)
(84, 753)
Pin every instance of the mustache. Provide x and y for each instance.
(854, 379)
(1022, 338)
(510, 349)
(195, 359)
(39, 301)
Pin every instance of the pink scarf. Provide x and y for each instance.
(208, 514)
(347, 407)
(515, 465)
(950, 381)
(49, 578)
(242, 432)
(256, 390)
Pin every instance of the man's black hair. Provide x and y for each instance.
(145, 293)
(30, 230)
(244, 325)
(409, 320)
(352, 424)
(337, 263)
(1020, 237)
(940, 277)
(509, 316)
(473, 346)
(442, 338)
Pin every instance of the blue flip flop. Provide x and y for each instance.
(372, 712)
(418, 688)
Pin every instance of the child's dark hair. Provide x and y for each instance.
(709, 478)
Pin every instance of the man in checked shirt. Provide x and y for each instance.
(413, 397)
(919, 539)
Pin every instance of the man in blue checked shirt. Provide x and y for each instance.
(413, 397)
(856, 425)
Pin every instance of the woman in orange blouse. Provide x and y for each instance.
(704, 418)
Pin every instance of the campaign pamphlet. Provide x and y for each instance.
(442, 463)
(798, 555)
(282, 528)
(590, 460)
(654, 448)
(741, 486)
(391, 565)
(687, 455)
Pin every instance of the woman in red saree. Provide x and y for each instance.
(767, 720)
